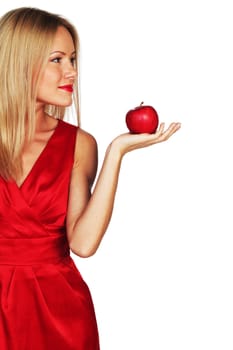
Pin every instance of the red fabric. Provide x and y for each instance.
(44, 302)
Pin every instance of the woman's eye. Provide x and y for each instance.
(56, 60)
(73, 61)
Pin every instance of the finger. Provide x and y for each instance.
(160, 129)
(173, 127)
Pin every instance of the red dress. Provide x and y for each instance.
(44, 302)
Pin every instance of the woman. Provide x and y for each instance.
(47, 169)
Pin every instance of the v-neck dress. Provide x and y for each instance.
(44, 302)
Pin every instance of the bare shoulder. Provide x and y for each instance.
(85, 139)
(85, 144)
(86, 153)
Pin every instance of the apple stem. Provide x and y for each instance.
(141, 103)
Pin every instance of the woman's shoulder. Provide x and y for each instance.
(85, 142)
(86, 146)
(83, 136)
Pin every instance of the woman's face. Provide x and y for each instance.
(56, 83)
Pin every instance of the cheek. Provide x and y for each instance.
(45, 87)
(49, 78)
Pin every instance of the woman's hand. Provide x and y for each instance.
(129, 142)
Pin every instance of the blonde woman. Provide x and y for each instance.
(47, 168)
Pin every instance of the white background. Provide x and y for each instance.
(162, 277)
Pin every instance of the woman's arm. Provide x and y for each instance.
(89, 214)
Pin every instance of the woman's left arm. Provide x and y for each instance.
(89, 214)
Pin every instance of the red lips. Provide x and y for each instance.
(68, 88)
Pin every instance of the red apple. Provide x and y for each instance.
(142, 119)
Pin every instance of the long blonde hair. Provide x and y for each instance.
(26, 36)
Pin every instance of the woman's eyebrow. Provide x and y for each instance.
(61, 52)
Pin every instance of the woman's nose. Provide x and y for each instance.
(70, 72)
